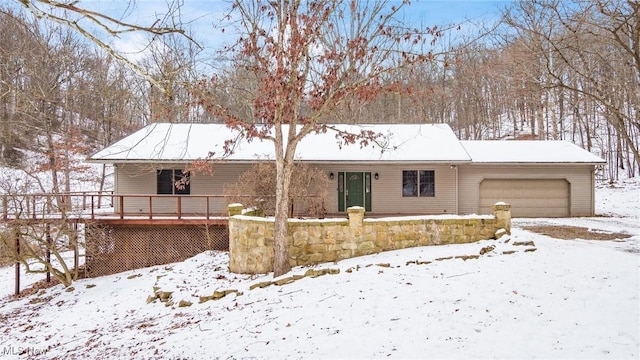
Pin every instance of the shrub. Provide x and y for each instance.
(257, 188)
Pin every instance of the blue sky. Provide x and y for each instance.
(454, 11)
(203, 14)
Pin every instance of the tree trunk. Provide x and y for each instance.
(281, 263)
(540, 119)
(53, 169)
(103, 175)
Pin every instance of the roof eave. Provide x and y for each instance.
(244, 161)
(539, 163)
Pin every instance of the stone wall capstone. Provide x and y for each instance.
(251, 238)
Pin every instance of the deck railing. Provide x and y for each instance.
(96, 205)
(173, 205)
(50, 205)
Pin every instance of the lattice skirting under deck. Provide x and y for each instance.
(112, 249)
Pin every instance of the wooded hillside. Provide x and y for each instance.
(550, 70)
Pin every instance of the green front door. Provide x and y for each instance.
(354, 189)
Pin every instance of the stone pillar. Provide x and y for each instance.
(502, 212)
(235, 209)
(237, 252)
(250, 251)
(236, 261)
(354, 236)
(356, 217)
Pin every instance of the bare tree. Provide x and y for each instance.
(51, 89)
(17, 39)
(307, 59)
(48, 245)
(44, 248)
(174, 61)
(592, 50)
(99, 27)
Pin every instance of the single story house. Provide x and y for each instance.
(423, 169)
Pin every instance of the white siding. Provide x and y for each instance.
(579, 178)
(141, 180)
(386, 192)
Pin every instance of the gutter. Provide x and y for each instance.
(538, 163)
(222, 161)
(593, 191)
(457, 191)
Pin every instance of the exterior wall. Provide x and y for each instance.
(141, 180)
(386, 192)
(579, 177)
(251, 239)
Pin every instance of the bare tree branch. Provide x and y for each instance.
(111, 25)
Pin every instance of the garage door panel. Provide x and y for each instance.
(541, 203)
(528, 197)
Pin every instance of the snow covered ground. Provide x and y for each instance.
(566, 299)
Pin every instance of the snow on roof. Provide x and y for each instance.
(187, 142)
(528, 151)
(164, 142)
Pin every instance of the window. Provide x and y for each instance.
(173, 182)
(427, 183)
(409, 183)
(418, 183)
(367, 183)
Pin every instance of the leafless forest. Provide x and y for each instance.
(548, 70)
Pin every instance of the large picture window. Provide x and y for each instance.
(173, 182)
(418, 183)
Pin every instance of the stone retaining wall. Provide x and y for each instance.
(317, 241)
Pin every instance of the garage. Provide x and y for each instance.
(528, 197)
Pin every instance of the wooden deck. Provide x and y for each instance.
(109, 208)
(105, 208)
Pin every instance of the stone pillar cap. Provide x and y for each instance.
(500, 205)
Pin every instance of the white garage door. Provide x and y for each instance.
(528, 198)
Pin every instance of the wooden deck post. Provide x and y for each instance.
(48, 253)
(76, 257)
(17, 290)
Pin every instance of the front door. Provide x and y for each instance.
(354, 189)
